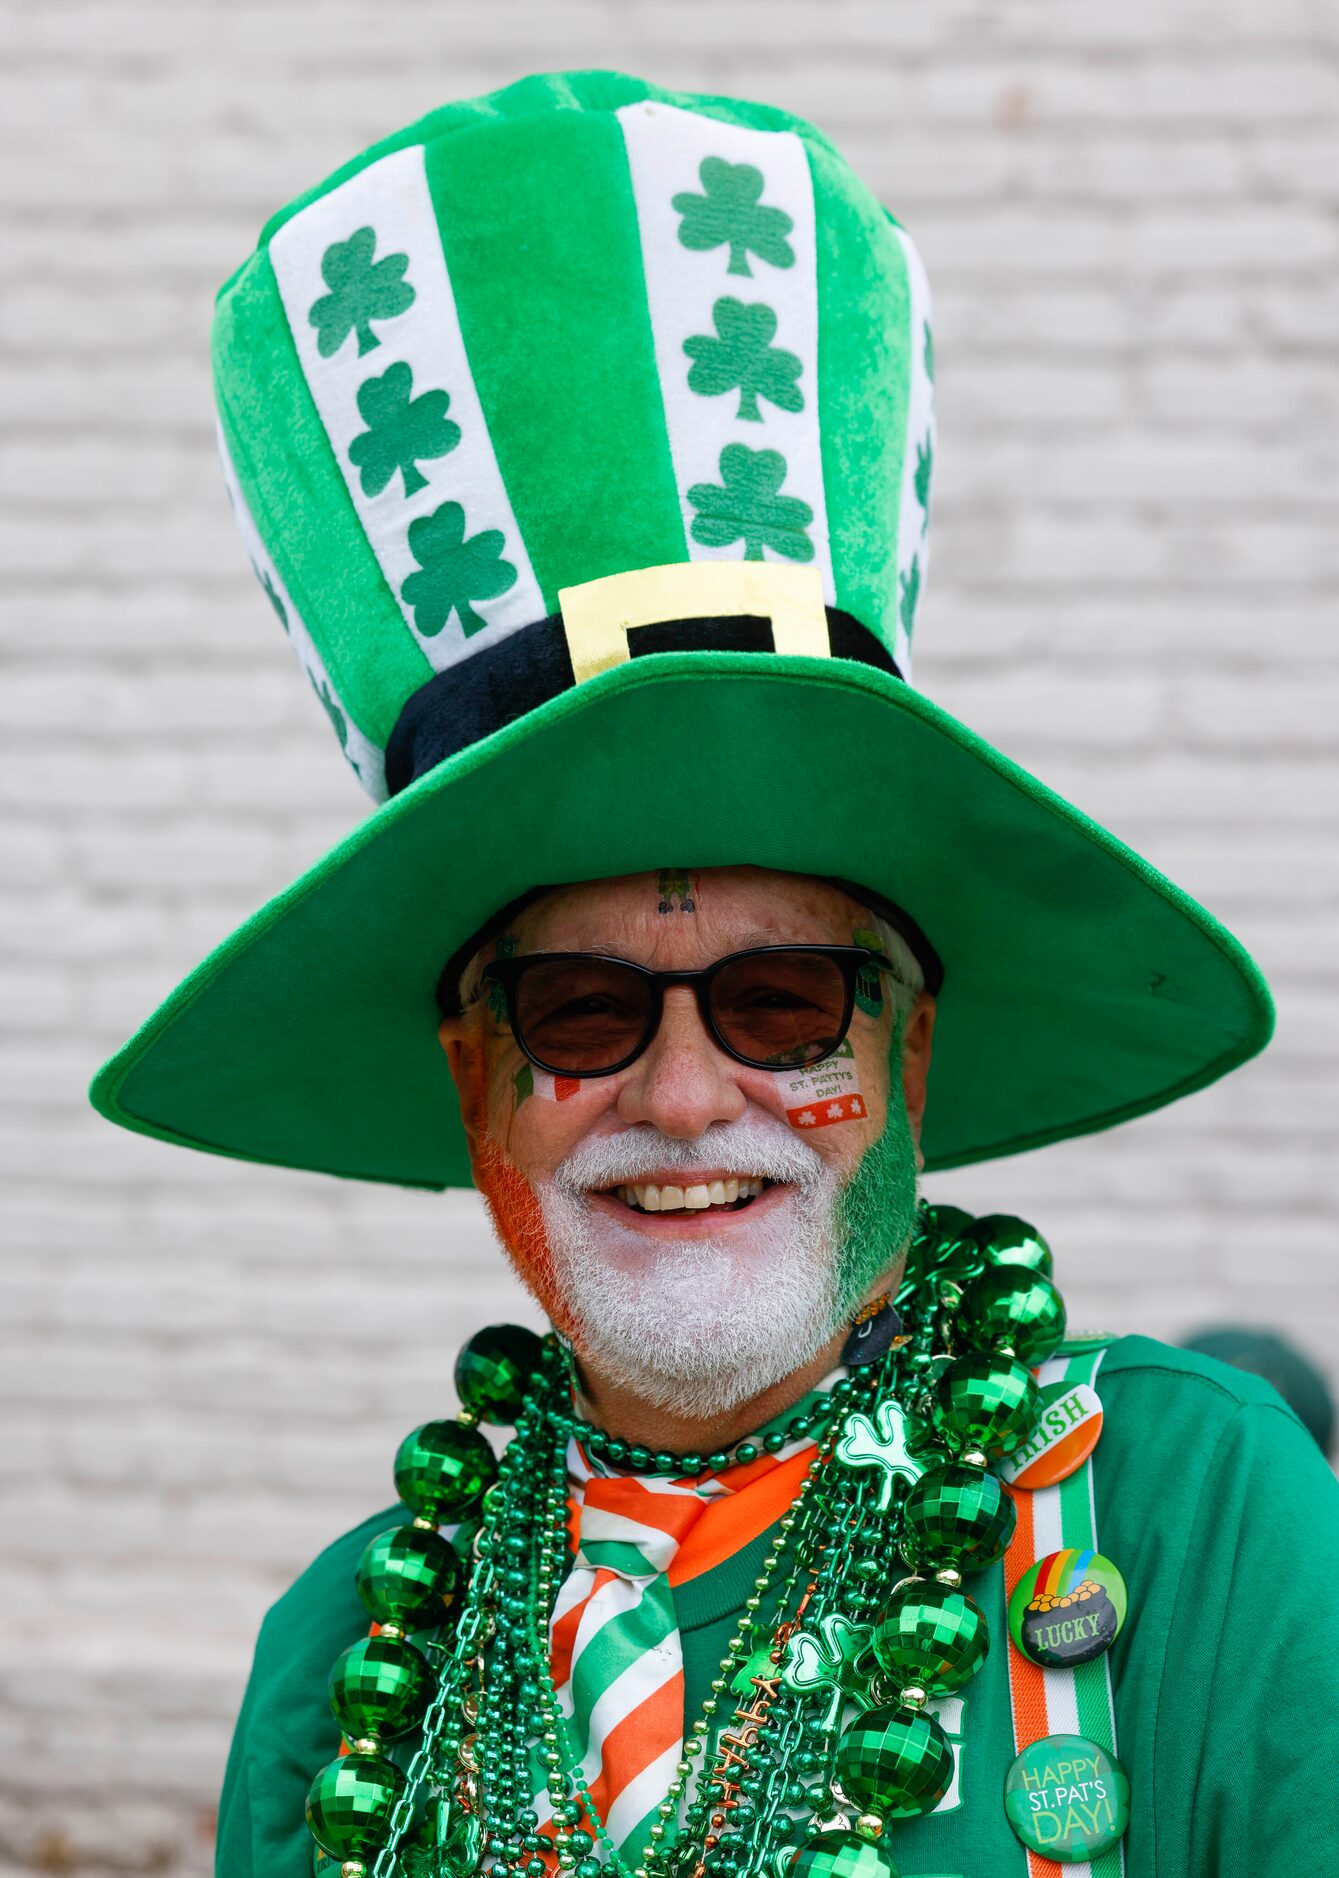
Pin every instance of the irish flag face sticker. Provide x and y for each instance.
(823, 1093)
(530, 1081)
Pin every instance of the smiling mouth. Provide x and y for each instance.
(727, 1196)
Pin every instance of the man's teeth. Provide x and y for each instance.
(653, 1199)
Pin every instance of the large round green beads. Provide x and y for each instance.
(443, 1470)
(1017, 1308)
(956, 1515)
(1007, 1240)
(931, 1637)
(495, 1372)
(350, 1804)
(949, 1222)
(957, 1255)
(379, 1687)
(410, 1577)
(895, 1762)
(987, 1402)
(841, 1855)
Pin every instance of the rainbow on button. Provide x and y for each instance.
(1067, 1608)
(1065, 1572)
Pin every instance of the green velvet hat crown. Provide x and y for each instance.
(581, 437)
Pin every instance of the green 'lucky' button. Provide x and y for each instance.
(1067, 1798)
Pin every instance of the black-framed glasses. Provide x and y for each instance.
(771, 1007)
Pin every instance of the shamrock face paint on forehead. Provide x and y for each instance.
(675, 891)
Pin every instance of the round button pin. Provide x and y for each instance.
(1066, 1434)
(1067, 1798)
(1067, 1608)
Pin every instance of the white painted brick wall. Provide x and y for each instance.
(1130, 216)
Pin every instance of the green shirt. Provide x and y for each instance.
(1221, 1514)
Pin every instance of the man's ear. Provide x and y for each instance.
(917, 1043)
(461, 1046)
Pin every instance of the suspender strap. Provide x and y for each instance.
(1060, 1701)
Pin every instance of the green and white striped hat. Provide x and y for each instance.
(581, 437)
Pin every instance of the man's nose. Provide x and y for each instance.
(682, 1082)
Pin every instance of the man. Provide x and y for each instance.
(581, 437)
(630, 1247)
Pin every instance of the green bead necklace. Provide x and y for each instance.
(859, 1605)
(599, 1443)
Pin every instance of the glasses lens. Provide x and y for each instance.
(582, 1015)
(780, 1008)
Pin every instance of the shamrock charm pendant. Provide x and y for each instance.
(882, 1441)
(830, 1660)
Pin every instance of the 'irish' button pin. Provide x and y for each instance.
(1065, 1435)
(1067, 1798)
(1067, 1608)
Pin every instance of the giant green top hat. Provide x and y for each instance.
(581, 436)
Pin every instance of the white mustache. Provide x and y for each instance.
(755, 1144)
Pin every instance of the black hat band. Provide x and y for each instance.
(470, 700)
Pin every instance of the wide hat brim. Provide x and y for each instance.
(1081, 987)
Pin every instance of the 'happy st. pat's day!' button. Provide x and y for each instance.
(1067, 1608)
(1067, 1798)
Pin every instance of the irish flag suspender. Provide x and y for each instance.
(1061, 1701)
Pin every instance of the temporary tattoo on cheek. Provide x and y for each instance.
(869, 982)
(675, 885)
(827, 1092)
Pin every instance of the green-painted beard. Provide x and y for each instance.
(876, 1209)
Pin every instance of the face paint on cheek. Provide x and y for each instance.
(827, 1092)
(876, 1208)
(518, 1221)
(674, 891)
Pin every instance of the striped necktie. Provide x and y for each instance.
(615, 1649)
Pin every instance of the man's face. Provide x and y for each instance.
(690, 1221)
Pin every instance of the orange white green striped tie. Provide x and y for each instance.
(615, 1649)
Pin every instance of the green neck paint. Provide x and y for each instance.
(876, 1209)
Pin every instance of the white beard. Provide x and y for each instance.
(698, 1325)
